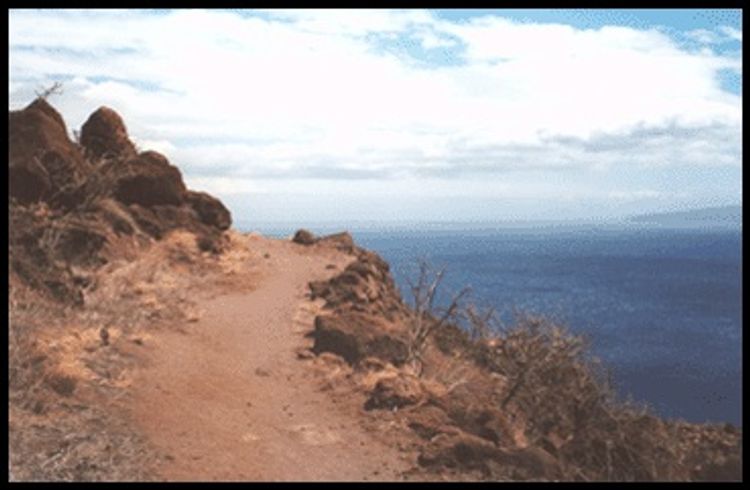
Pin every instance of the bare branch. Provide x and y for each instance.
(54, 89)
(427, 319)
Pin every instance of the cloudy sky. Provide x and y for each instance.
(342, 116)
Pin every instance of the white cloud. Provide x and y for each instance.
(732, 33)
(430, 40)
(704, 36)
(316, 93)
(724, 34)
(225, 186)
(634, 195)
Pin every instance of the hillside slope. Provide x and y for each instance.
(150, 341)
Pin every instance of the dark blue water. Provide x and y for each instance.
(662, 308)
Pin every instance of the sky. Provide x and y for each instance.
(410, 115)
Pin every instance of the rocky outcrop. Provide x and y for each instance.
(464, 411)
(304, 237)
(104, 135)
(365, 308)
(42, 159)
(355, 336)
(210, 210)
(70, 202)
(149, 179)
(365, 286)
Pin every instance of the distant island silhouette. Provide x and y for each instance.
(702, 217)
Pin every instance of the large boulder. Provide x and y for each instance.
(210, 210)
(148, 180)
(42, 159)
(104, 135)
(304, 237)
(355, 336)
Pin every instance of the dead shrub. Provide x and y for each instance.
(570, 406)
(427, 318)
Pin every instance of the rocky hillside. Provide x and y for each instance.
(74, 206)
(520, 403)
(133, 300)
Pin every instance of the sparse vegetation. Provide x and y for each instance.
(569, 406)
(482, 395)
(54, 89)
(427, 317)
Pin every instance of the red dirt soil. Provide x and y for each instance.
(230, 400)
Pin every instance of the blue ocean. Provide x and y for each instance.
(661, 307)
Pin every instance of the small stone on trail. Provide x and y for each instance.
(305, 354)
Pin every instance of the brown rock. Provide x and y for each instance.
(395, 392)
(149, 179)
(41, 105)
(104, 135)
(365, 285)
(355, 336)
(29, 180)
(41, 159)
(304, 237)
(184, 216)
(84, 206)
(210, 210)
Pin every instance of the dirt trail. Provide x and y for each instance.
(228, 399)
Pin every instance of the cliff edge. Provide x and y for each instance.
(151, 341)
